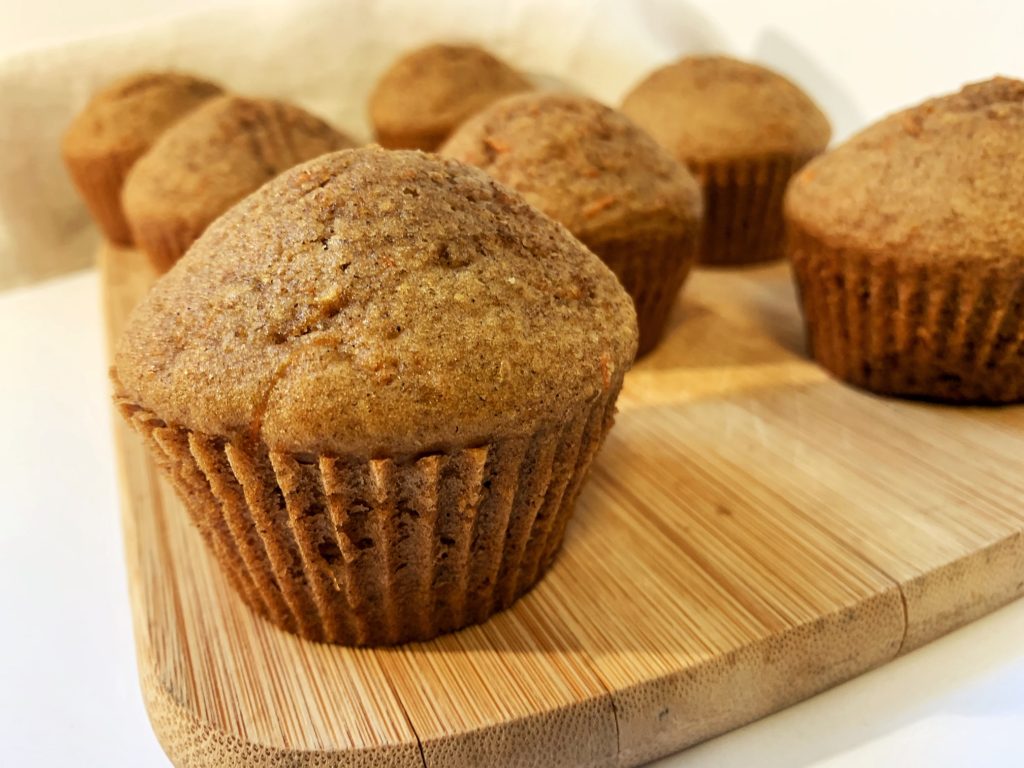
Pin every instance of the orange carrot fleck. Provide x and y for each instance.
(496, 145)
(606, 370)
(599, 205)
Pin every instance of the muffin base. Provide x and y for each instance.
(378, 552)
(99, 182)
(942, 329)
(652, 270)
(743, 209)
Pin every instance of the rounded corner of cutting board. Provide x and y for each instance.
(190, 740)
(185, 738)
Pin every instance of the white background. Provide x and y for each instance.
(68, 691)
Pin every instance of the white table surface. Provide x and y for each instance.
(68, 687)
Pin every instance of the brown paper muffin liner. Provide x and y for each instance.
(376, 552)
(948, 329)
(743, 209)
(426, 140)
(164, 242)
(99, 182)
(652, 270)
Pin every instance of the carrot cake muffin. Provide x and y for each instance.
(907, 244)
(116, 127)
(424, 95)
(743, 130)
(378, 383)
(592, 169)
(210, 160)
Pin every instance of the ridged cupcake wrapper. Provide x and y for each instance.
(99, 181)
(944, 330)
(743, 209)
(165, 242)
(652, 271)
(428, 141)
(378, 552)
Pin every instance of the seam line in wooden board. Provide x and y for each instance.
(886, 601)
(996, 506)
(906, 618)
(707, 671)
(408, 720)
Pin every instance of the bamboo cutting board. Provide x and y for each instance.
(753, 532)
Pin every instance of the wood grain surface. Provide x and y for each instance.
(753, 532)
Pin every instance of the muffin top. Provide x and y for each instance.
(706, 108)
(431, 90)
(940, 178)
(128, 115)
(580, 162)
(383, 304)
(220, 153)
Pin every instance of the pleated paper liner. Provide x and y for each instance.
(164, 242)
(652, 269)
(428, 141)
(376, 552)
(99, 181)
(743, 208)
(944, 329)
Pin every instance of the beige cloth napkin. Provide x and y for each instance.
(323, 55)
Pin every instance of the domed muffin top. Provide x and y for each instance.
(221, 152)
(704, 108)
(377, 303)
(129, 114)
(580, 162)
(431, 90)
(941, 178)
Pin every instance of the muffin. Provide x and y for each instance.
(116, 127)
(209, 161)
(907, 245)
(614, 188)
(378, 383)
(427, 93)
(743, 131)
